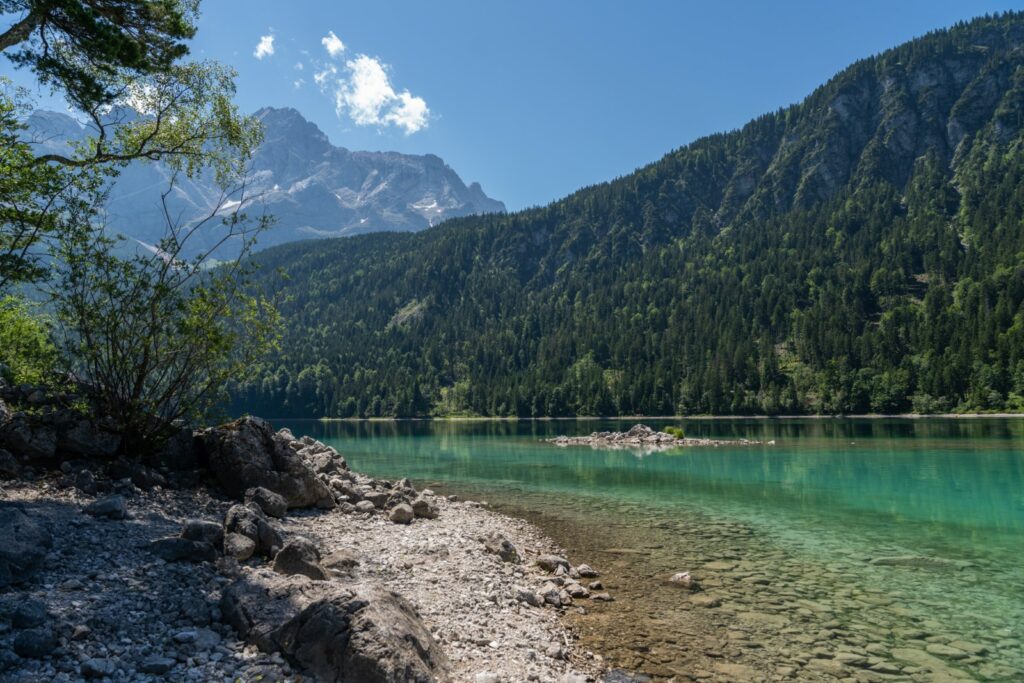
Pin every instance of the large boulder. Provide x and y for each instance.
(337, 634)
(21, 437)
(23, 546)
(247, 453)
(85, 439)
(179, 452)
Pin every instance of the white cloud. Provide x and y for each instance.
(265, 47)
(410, 113)
(366, 95)
(321, 77)
(299, 66)
(298, 83)
(333, 45)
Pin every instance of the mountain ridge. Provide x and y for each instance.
(312, 187)
(857, 252)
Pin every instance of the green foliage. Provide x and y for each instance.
(155, 335)
(860, 252)
(158, 336)
(675, 431)
(86, 47)
(27, 354)
(38, 202)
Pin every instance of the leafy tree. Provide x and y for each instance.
(38, 202)
(27, 354)
(156, 335)
(159, 336)
(86, 48)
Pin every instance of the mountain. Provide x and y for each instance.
(311, 187)
(861, 251)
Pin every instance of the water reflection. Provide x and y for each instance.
(959, 473)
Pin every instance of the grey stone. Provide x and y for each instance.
(87, 440)
(550, 563)
(35, 643)
(203, 530)
(551, 593)
(623, 676)
(378, 498)
(502, 547)
(249, 521)
(177, 549)
(685, 580)
(335, 633)
(111, 507)
(238, 546)
(530, 597)
(155, 664)
(402, 514)
(587, 572)
(272, 504)
(28, 613)
(10, 468)
(365, 506)
(85, 481)
(300, 556)
(422, 507)
(247, 453)
(23, 546)
(98, 668)
(341, 560)
(36, 442)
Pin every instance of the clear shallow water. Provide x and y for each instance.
(784, 535)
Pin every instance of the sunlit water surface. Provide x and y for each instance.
(787, 536)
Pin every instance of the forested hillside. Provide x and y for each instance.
(862, 251)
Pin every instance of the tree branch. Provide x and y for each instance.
(20, 31)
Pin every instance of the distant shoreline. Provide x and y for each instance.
(641, 418)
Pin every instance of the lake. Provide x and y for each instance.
(873, 548)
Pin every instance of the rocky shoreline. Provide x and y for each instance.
(264, 557)
(644, 438)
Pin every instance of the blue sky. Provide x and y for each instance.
(536, 99)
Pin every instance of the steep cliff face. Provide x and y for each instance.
(311, 187)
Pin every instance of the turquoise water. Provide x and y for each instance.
(805, 516)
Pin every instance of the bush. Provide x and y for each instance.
(675, 431)
(27, 354)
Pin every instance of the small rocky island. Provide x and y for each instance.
(243, 553)
(643, 437)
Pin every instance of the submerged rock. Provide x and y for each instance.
(920, 561)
